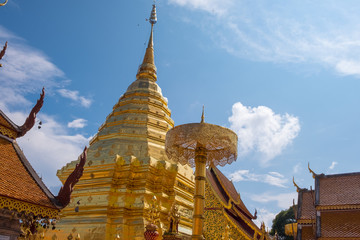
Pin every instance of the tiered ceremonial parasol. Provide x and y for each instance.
(200, 145)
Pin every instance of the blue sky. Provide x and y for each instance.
(283, 75)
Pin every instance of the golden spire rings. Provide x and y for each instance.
(153, 18)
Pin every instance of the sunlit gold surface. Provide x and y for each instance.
(8, 132)
(126, 166)
(6, 129)
(199, 196)
(220, 143)
(291, 229)
(28, 208)
(201, 144)
(216, 221)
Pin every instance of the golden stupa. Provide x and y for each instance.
(127, 166)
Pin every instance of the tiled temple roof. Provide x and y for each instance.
(18, 179)
(332, 210)
(226, 191)
(234, 208)
(306, 207)
(338, 189)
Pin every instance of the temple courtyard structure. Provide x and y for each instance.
(127, 166)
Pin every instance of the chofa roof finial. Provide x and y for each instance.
(297, 187)
(2, 53)
(311, 171)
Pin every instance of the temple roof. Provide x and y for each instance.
(8, 127)
(338, 189)
(306, 206)
(18, 179)
(225, 189)
(234, 208)
(21, 189)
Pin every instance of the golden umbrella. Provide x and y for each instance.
(200, 145)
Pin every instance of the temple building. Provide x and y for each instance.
(27, 207)
(127, 166)
(226, 216)
(332, 209)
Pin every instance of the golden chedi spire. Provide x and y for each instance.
(147, 69)
(141, 114)
(127, 165)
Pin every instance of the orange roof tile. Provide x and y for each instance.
(339, 189)
(18, 179)
(306, 204)
(307, 233)
(340, 224)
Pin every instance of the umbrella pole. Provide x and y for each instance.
(199, 197)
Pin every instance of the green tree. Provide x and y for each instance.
(281, 219)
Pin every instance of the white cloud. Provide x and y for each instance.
(264, 216)
(260, 129)
(297, 168)
(323, 32)
(49, 148)
(348, 67)
(25, 68)
(217, 7)
(25, 71)
(284, 200)
(332, 166)
(272, 178)
(77, 123)
(74, 95)
(6, 34)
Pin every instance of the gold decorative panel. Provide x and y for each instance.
(28, 208)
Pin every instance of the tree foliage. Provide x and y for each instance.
(281, 219)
